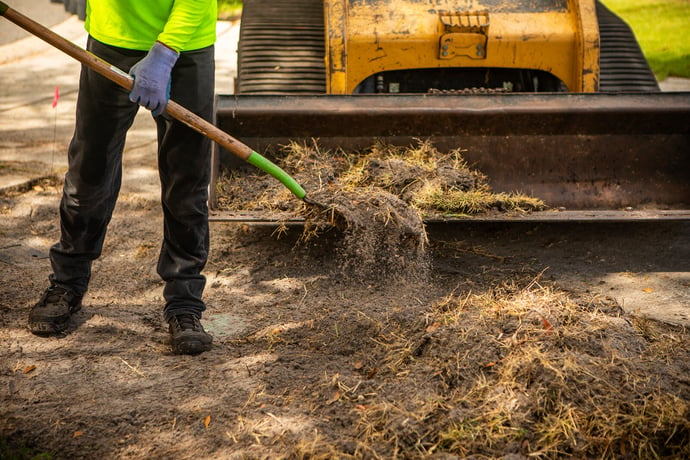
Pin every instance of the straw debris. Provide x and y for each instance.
(529, 371)
(522, 370)
(436, 184)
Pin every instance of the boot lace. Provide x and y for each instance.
(55, 294)
(188, 322)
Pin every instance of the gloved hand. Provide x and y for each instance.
(152, 78)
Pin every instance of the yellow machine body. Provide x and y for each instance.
(365, 37)
(553, 98)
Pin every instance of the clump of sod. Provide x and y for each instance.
(383, 237)
(379, 198)
(545, 376)
(434, 183)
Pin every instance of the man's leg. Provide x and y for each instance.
(92, 183)
(184, 163)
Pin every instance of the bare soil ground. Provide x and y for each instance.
(487, 353)
(511, 341)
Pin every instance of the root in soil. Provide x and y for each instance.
(384, 238)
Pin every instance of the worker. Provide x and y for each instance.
(167, 46)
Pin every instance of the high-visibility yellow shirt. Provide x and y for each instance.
(182, 25)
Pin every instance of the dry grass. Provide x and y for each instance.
(432, 182)
(522, 369)
(527, 370)
(475, 202)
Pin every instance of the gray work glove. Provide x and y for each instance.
(151, 87)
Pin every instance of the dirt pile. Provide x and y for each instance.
(519, 371)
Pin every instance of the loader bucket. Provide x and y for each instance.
(594, 156)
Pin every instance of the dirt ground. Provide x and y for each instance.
(514, 341)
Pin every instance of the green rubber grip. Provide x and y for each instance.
(271, 168)
(3, 8)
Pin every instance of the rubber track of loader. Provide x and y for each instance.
(281, 48)
(622, 65)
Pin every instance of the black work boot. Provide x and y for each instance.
(52, 313)
(188, 335)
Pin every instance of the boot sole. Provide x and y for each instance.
(191, 344)
(190, 347)
(44, 328)
(52, 326)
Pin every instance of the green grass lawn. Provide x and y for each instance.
(662, 30)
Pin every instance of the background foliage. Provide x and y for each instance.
(229, 9)
(661, 28)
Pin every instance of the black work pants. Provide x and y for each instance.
(92, 183)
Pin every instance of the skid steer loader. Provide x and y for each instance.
(548, 97)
